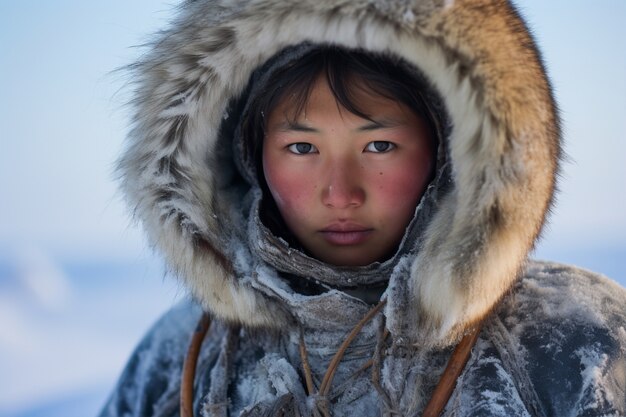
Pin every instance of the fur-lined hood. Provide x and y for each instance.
(502, 147)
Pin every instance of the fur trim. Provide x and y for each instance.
(504, 143)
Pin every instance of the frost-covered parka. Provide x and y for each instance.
(552, 339)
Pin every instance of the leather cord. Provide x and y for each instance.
(189, 367)
(447, 382)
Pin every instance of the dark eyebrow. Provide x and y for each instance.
(295, 127)
(378, 124)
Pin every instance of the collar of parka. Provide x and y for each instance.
(502, 149)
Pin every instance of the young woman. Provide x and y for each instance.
(350, 191)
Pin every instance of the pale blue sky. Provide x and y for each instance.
(63, 122)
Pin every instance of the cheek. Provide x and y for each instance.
(399, 187)
(291, 190)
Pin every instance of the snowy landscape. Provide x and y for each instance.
(79, 288)
(67, 328)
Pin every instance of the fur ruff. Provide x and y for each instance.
(503, 146)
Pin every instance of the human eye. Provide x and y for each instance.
(302, 148)
(379, 146)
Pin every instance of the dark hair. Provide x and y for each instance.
(345, 71)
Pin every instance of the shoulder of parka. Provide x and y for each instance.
(568, 327)
(150, 383)
(555, 346)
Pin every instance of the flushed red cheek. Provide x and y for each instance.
(400, 188)
(291, 196)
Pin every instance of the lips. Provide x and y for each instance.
(344, 233)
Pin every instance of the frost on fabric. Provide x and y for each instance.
(486, 388)
(270, 282)
(283, 376)
(603, 382)
(272, 377)
(150, 383)
(593, 364)
(574, 296)
(569, 324)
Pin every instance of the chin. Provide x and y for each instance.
(347, 259)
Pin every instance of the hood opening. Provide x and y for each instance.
(292, 73)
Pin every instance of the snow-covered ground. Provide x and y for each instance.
(68, 326)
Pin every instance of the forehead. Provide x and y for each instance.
(354, 96)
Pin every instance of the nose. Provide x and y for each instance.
(342, 185)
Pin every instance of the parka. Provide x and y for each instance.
(550, 338)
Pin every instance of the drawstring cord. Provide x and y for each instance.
(383, 333)
(435, 406)
(321, 409)
(455, 366)
(189, 367)
(308, 375)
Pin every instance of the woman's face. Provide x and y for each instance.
(347, 187)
